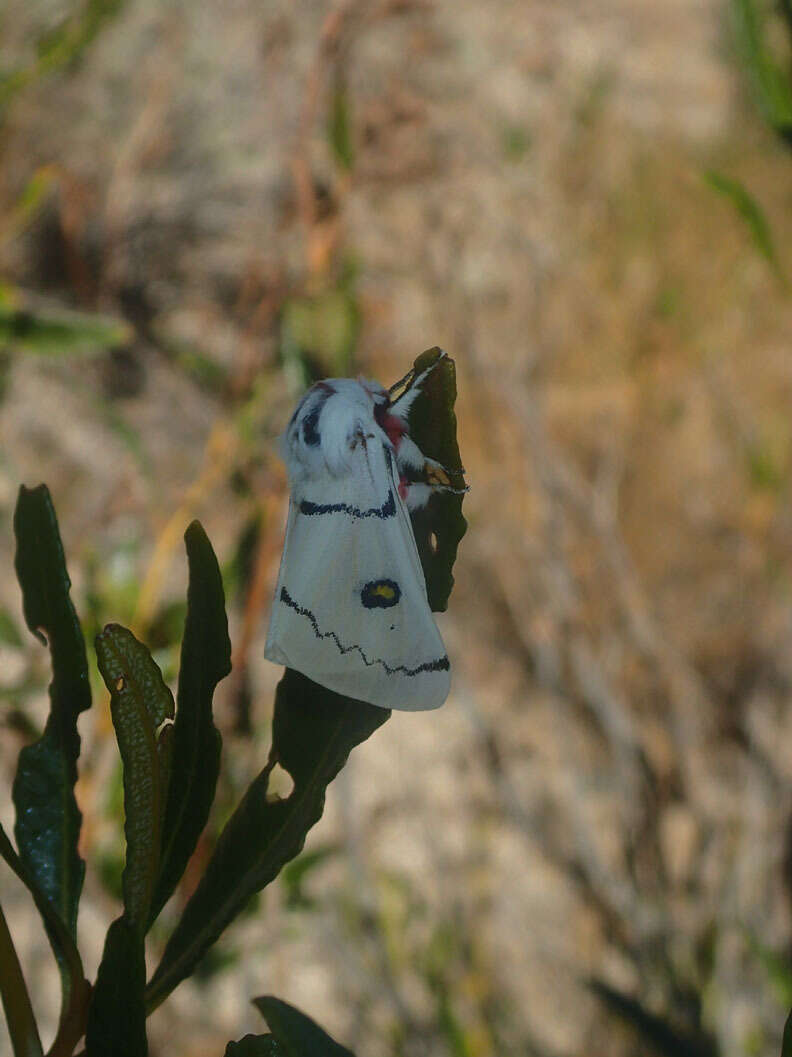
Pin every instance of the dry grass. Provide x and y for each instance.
(607, 793)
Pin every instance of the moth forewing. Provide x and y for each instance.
(350, 608)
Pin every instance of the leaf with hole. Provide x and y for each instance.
(439, 526)
(313, 732)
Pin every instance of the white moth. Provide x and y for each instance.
(350, 608)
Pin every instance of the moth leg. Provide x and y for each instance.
(417, 494)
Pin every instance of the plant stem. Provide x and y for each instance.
(16, 1000)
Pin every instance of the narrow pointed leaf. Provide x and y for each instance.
(140, 703)
(254, 1046)
(75, 986)
(205, 660)
(314, 730)
(117, 1015)
(786, 1045)
(751, 213)
(295, 1033)
(21, 1023)
(47, 818)
(439, 526)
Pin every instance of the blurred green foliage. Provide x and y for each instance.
(771, 74)
(60, 46)
(339, 125)
(55, 332)
(752, 214)
(319, 332)
(516, 142)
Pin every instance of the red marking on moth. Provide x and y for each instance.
(403, 488)
(394, 427)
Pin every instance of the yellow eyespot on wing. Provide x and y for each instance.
(380, 594)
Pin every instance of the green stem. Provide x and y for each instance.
(16, 1000)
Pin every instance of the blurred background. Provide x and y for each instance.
(205, 206)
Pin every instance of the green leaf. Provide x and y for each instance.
(254, 1046)
(772, 83)
(56, 333)
(117, 1014)
(786, 1045)
(205, 660)
(295, 1033)
(753, 215)
(439, 526)
(21, 1022)
(339, 125)
(75, 986)
(47, 818)
(140, 703)
(313, 732)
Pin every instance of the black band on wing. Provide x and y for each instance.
(388, 509)
(441, 664)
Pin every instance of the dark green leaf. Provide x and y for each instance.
(254, 1046)
(313, 732)
(47, 817)
(786, 1045)
(439, 526)
(75, 986)
(752, 213)
(295, 1033)
(117, 1014)
(140, 703)
(205, 660)
(20, 1021)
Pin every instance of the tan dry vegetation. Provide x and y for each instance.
(607, 792)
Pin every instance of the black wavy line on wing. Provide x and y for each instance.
(388, 509)
(439, 665)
